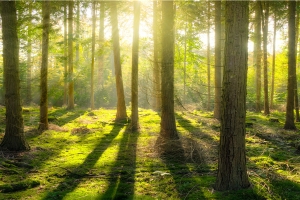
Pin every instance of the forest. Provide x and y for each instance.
(149, 99)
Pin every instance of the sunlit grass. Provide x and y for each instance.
(86, 155)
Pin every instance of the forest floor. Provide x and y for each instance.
(86, 155)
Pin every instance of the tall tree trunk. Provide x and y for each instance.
(184, 61)
(265, 50)
(168, 125)
(14, 139)
(289, 120)
(297, 37)
(101, 43)
(218, 69)
(29, 48)
(296, 84)
(93, 54)
(135, 65)
(70, 57)
(65, 55)
(208, 56)
(232, 171)
(297, 118)
(77, 34)
(258, 54)
(121, 107)
(156, 64)
(273, 62)
(43, 125)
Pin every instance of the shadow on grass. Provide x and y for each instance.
(173, 154)
(63, 116)
(121, 184)
(285, 189)
(69, 183)
(194, 131)
(271, 186)
(207, 140)
(267, 165)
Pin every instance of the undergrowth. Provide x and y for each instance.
(87, 155)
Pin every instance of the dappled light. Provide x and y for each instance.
(143, 99)
(108, 161)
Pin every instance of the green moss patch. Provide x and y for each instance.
(88, 155)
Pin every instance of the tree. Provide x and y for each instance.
(121, 107)
(29, 60)
(184, 59)
(208, 55)
(218, 69)
(135, 65)
(273, 62)
(297, 117)
(65, 62)
(93, 53)
(101, 42)
(70, 58)
(168, 125)
(265, 57)
(232, 171)
(77, 33)
(258, 54)
(14, 139)
(156, 64)
(43, 125)
(289, 119)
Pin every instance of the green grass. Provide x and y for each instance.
(86, 155)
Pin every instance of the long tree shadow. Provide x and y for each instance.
(268, 163)
(207, 145)
(68, 184)
(278, 186)
(285, 189)
(193, 130)
(178, 153)
(210, 157)
(63, 116)
(121, 185)
(173, 154)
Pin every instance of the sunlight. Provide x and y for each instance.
(88, 148)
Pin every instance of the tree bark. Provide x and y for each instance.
(93, 54)
(168, 126)
(156, 64)
(218, 69)
(258, 54)
(297, 119)
(289, 120)
(265, 50)
(232, 171)
(135, 65)
(184, 61)
(43, 125)
(121, 107)
(70, 57)
(14, 139)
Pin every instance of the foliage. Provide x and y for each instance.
(191, 25)
(87, 155)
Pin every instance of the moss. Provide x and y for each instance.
(102, 160)
(17, 186)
